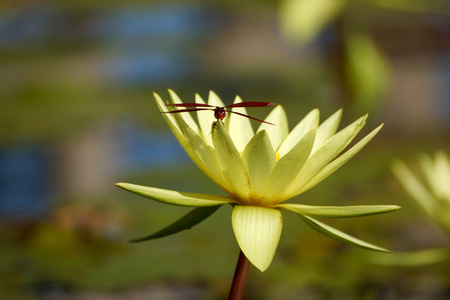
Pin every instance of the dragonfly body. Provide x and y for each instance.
(221, 112)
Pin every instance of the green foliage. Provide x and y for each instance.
(191, 219)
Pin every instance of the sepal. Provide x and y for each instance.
(339, 235)
(189, 220)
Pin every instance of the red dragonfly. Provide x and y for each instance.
(221, 112)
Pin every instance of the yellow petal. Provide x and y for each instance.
(287, 168)
(231, 163)
(307, 124)
(204, 153)
(205, 119)
(437, 174)
(280, 130)
(163, 108)
(259, 158)
(174, 197)
(338, 162)
(257, 230)
(186, 115)
(214, 100)
(327, 129)
(173, 125)
(323, 156)
(415, 188)
(239, 127)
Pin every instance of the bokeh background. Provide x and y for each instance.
(77, 115)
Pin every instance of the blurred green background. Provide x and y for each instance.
(77, 115)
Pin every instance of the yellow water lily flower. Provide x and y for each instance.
(432, 194)
(260, 171)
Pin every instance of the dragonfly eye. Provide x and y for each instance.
(219, 113)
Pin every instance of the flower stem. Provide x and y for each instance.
(240, 276)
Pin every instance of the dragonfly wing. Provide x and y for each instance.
(185, 110)
(234, 112)
(190, 105)
(252, 104)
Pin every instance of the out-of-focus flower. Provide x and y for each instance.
(433, 192)
(260, 171)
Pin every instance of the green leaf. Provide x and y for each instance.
(189, 220)
(175, 197)
(339, 235)
(338, 211)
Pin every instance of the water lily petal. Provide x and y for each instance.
(339, 235)
(189, 220)
(214, 100)
(204, 153)
(442, 164)
(317, 161)
(257, 230)
(175, 197)
(437, 174)
(163, 108)
(338, 211)
(307, 124)
(414, 187)
(280, 130)
(327, 129)
(173, 125)
(338, 162)
(287, 168)
(239, 127)
(231, 163)
(259, 159)
(205, 119)
(186, 115)
(200, 153)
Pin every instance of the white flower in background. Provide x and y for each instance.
(260, 171)
(432, 190)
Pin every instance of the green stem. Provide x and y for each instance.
(240, 276)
